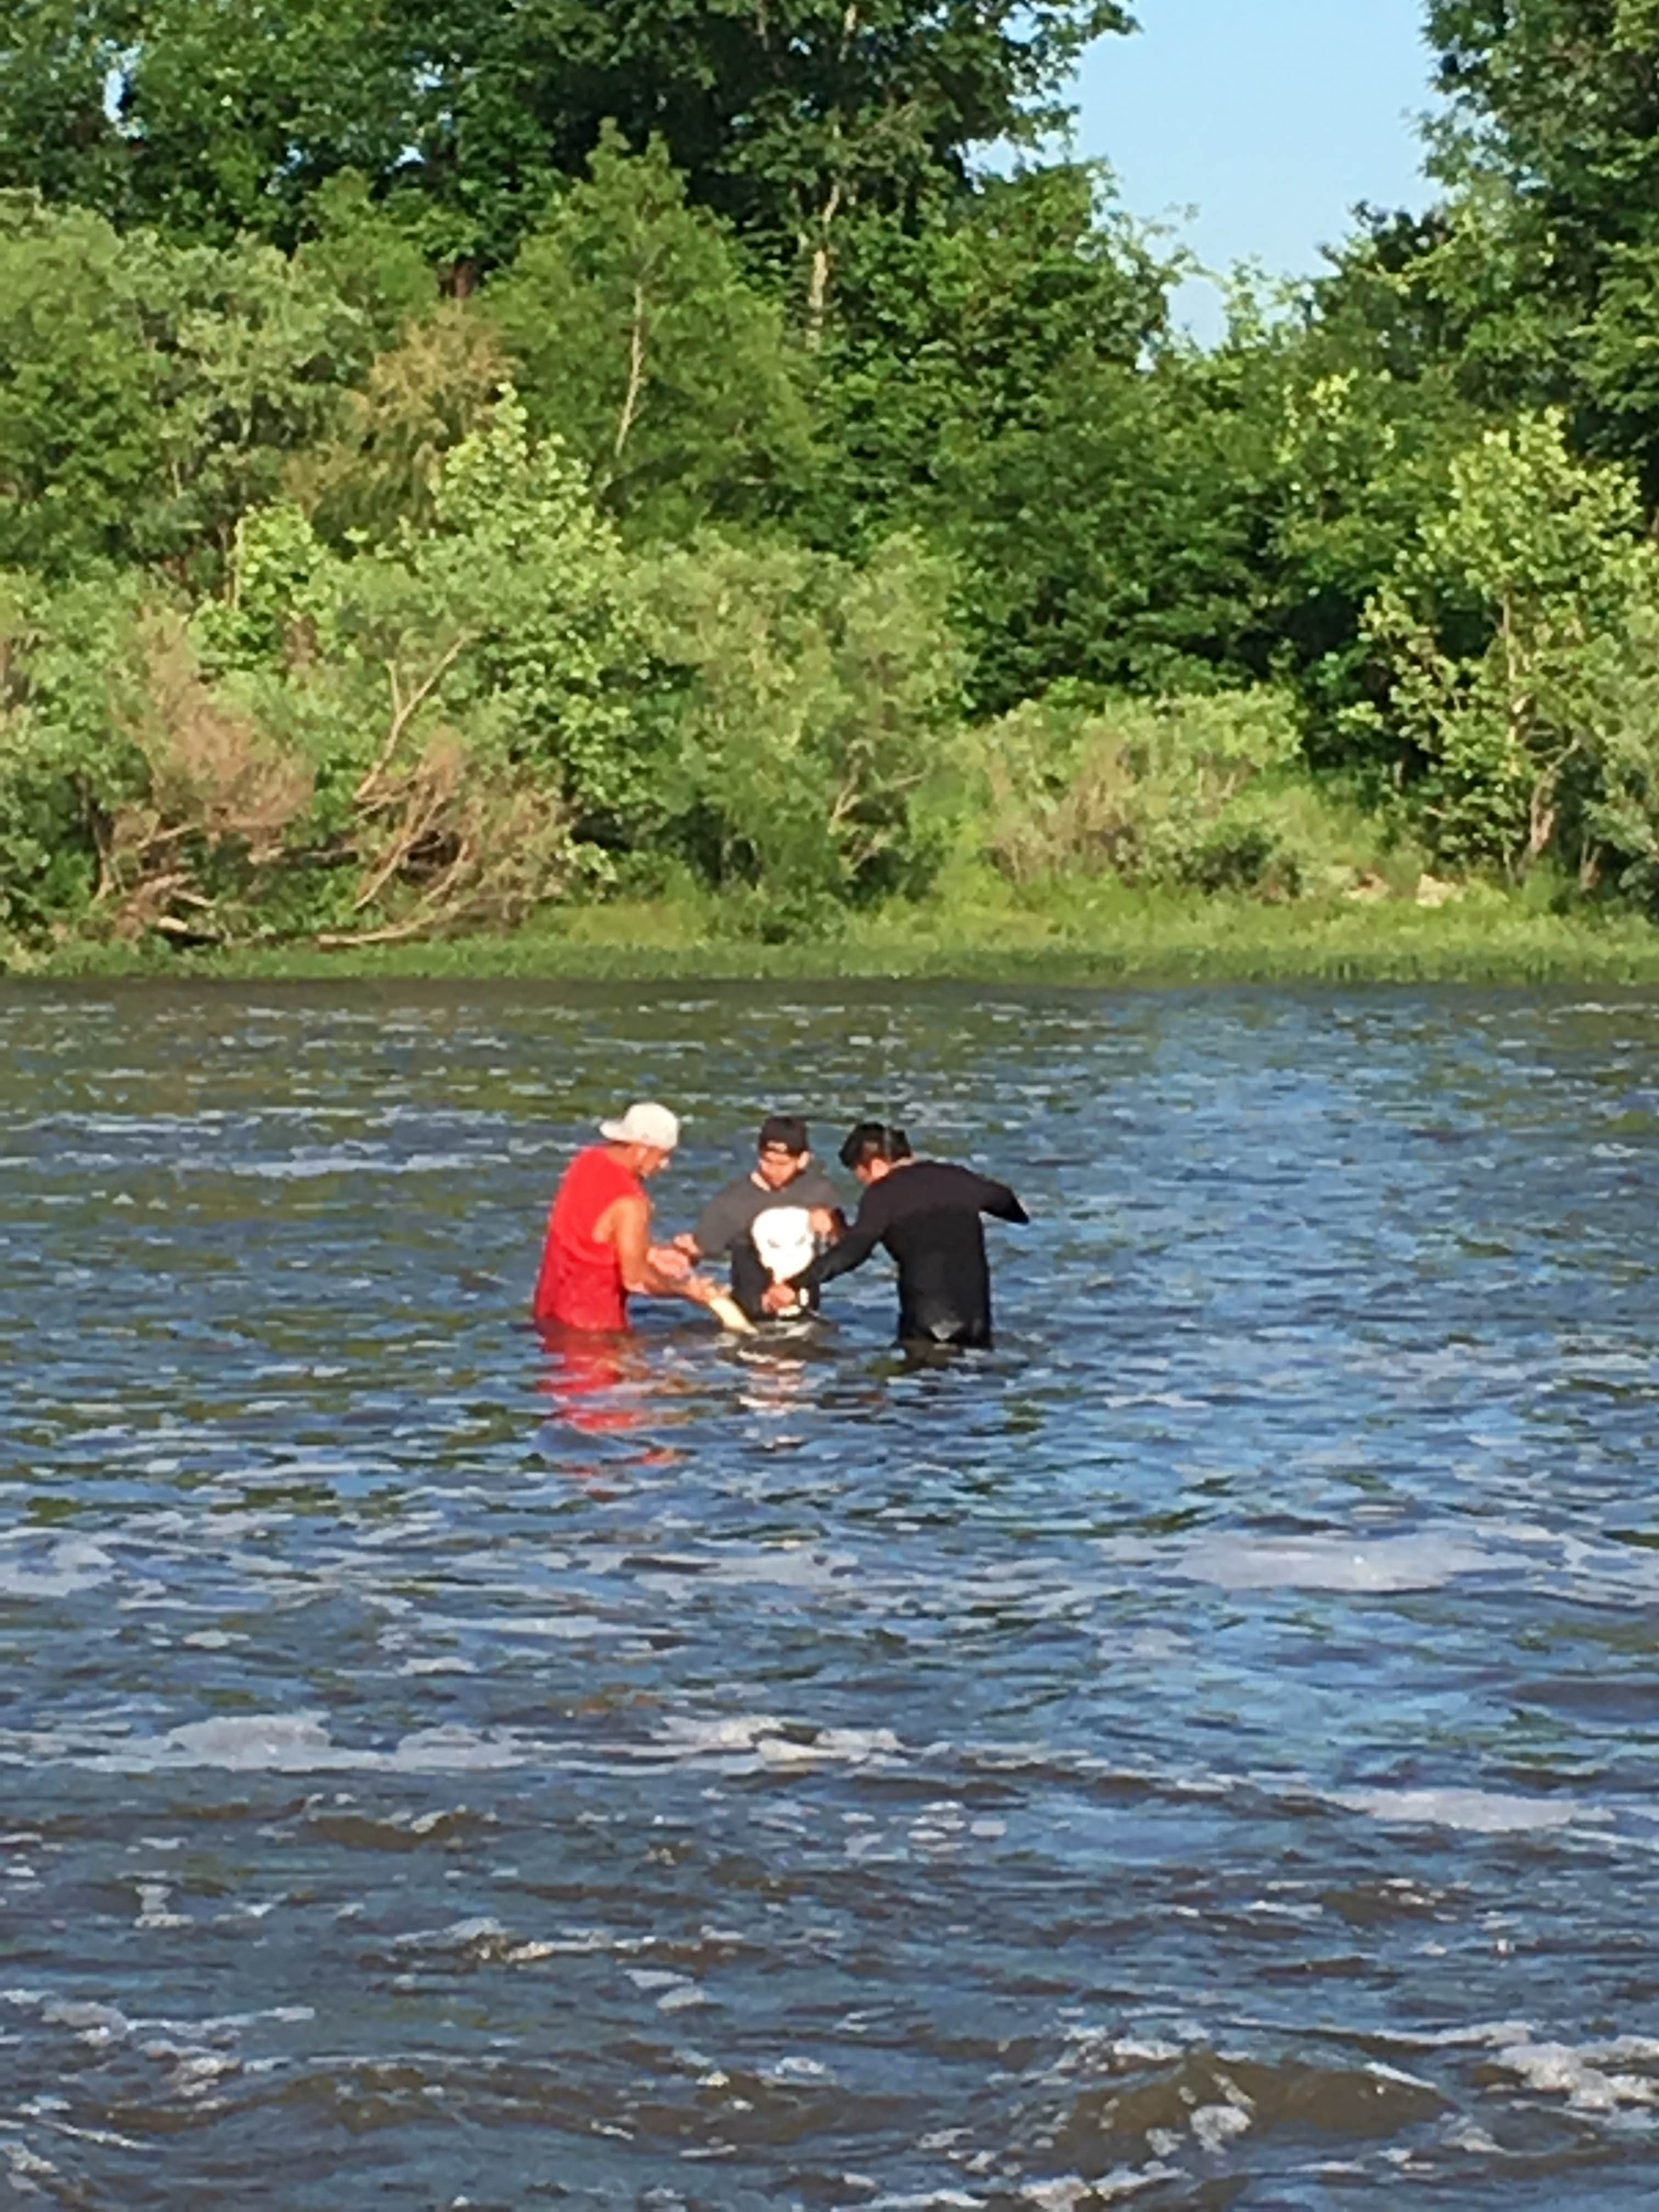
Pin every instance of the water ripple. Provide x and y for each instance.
(1201, 1752)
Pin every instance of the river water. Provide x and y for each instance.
(1202, 1754)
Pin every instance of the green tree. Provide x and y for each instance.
(81, 432)
(57, 61)
(786, 118)
(1004, 381)
(1552, 242)
(1116, 540)
(1504, 634)
(356, 247)
(204, 121)
(1562, 97)
(639, 342)
(1353, 419)
(382, 465)
(254, 350)
(959, 330)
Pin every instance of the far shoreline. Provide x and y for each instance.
(1485, 937)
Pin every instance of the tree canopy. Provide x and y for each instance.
(785, 116)
(460, 457)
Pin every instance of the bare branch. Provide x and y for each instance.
(405, 710)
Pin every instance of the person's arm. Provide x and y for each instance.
(851, 1250)
(822, 1200)
(998, 1199)
(627, 1224)
(848, 1252)
(714, 1231)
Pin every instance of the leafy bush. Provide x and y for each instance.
(151, 393)
(812, 703)
(427, 735)
(1159, 791)
(1620, 826)
(446, 726)
(66, 767)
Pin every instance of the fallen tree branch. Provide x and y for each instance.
(400, 850)
(341, 940)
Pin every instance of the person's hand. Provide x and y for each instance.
(780, 1299)
(670, 1262)
(699, 1288)
(686, 1242)
(823, 1221)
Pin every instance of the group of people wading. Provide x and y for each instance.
(780, 1228)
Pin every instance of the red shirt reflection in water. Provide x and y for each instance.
(587, 1382)
(580, 1283)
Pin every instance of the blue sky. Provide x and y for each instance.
(1271, 118)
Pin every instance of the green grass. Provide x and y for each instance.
(1081, 931)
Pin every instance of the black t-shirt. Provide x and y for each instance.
(726, 1227)
(927, 1213)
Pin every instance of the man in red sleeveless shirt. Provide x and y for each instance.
(599, 1249)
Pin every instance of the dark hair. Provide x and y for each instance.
(787, 1131)
(874, 1140)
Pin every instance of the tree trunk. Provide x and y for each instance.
(817, 283)
(1542, 816)
(637, 343)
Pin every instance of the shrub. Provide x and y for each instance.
(1153, 790)
(426, 737)
(466, 692)
(810, 703)
(65, 766)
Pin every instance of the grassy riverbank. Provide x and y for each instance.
(1091, 932)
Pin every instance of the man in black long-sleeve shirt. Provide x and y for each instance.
(927, 1213)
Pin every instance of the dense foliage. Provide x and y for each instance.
(460, 459)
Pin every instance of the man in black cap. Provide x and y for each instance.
(927, 1213)
(770, 1222)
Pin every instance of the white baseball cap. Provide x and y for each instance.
(644, 1124)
